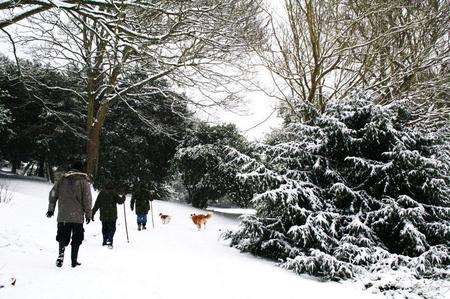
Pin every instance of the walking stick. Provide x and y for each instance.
(126, 226)
(151, 207)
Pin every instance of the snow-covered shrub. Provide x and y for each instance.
(318, 263)
(5, 119)
(209, 177)
(5, 192)
(4, 116)
(353, 189)
(206, 162)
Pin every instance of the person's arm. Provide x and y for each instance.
(97, 204)
(52, 199)
(132, 202)
(87, 201)
(120, 199)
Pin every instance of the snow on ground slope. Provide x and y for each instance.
(170, 261)
(233, 211)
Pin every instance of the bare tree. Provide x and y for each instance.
(185, 42)
(305, 54)
(404, 48)
(323, 50)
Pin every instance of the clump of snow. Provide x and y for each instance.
(233, 211)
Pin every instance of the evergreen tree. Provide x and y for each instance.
(45, 122)
(17, 145)
(203, 162)
(140, 139)
(4, 117)
(352, 189)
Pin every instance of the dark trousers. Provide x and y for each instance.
(108, 230)
(141, 219)
(68, 229)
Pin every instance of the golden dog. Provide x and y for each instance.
(200, 219)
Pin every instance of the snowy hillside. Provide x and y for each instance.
(170, 261)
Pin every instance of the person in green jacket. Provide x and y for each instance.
(140, 199)
(106, 202)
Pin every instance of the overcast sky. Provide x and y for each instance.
(256, 113)
(260, 117)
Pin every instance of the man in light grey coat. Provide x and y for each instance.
(73, 194)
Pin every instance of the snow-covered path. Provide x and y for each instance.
(170, 261)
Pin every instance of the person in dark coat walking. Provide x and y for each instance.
(140, 199)
(72, 192)
(106, 202)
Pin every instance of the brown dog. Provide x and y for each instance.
(165, 219)
(200, 219)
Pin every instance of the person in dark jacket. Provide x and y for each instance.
(106, 202)
(140, 199)
(73, 194)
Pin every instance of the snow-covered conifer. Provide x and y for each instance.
(353, 189)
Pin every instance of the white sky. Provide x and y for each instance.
(256, 113)
(260, 117)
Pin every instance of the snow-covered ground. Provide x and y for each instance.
(233, 211)
(170, 261)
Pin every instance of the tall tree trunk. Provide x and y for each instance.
(94, 131)
(92, 151)
(189, 195)
(49, 172)
(41, 169)
(15, 164)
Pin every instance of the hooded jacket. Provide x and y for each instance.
(73, 194)
(107, 201)
(140, 199)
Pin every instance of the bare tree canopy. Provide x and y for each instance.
(324, 50)
(188, 43)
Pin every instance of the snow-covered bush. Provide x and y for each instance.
(209, 177)
(5, 192)
(352, 190)
(4, 116)
(5, 119)
(205, 161)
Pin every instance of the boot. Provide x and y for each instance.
(109, 243)
(74, 255)
(143, 226)
(139, 226)
(60, 259)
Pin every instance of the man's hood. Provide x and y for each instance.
(76, 175)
